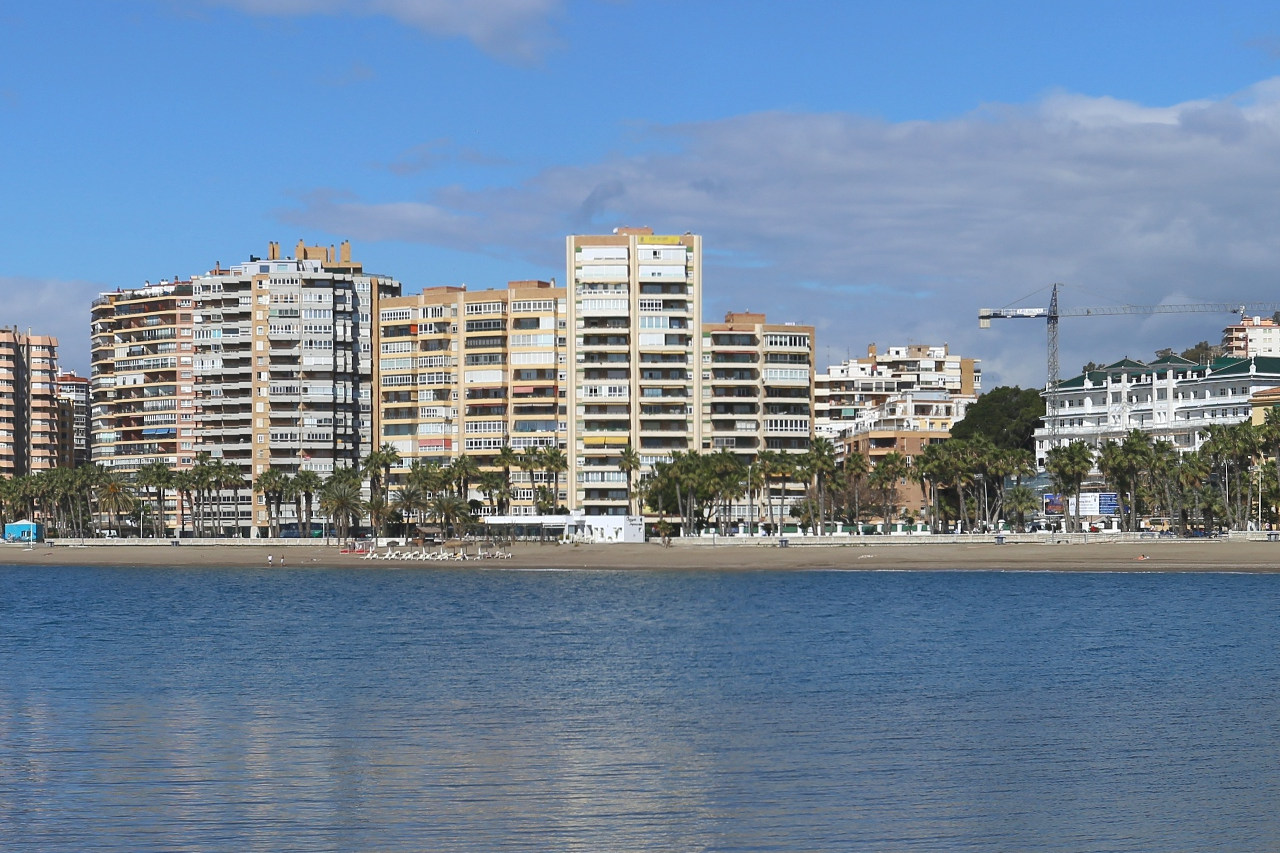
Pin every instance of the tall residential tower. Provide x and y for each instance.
(284, 365)
(28, 403)
(635, 352)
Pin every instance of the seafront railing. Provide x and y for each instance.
(909, 539)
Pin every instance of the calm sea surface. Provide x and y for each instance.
(398, 710)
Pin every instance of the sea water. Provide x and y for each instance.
(472, 710)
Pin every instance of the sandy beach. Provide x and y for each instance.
(1160, 556)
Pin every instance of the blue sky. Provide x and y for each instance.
(879, 170)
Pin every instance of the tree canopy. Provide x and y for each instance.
(1006, 416)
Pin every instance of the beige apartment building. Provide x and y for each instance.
(467, 372)
(28, 403)
(284, 368)
(757, 393)
(757, 385)
(1251, 336)
(142, 399)
(635, 352)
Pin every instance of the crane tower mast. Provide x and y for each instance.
(1053, 314)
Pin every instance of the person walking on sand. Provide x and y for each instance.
(270, 557)
(282, 561)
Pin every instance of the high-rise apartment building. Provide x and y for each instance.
(757, 395)
(284, 366)
(635, 352)
(468, 372)
(1251, 336)
(757, 385)
(142, 400)
(73, 419)
(28, 403)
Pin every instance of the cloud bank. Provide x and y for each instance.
(41, 305)
(885, 232)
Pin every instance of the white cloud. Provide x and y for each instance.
(53, 307)
(515, 30)
(900, 232)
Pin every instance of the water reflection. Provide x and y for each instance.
(208, 710)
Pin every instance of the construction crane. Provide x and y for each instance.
(1053, 313)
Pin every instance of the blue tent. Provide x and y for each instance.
(23, 531)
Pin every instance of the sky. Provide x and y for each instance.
(879, 170)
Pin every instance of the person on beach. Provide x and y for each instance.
(269, 559)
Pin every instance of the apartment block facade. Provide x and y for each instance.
(467, 372)
(141, 386)
(635, 352)
(284, 366)
(757, 393)
(757, 385)
(896, 401)
(73, 419)
(28, 403)
(1252, 336)
(863, 391)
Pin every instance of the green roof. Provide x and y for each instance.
(1173, 361)
(1265, 365)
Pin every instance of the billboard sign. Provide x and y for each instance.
(1089, 504)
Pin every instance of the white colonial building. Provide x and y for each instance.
(1171, 399)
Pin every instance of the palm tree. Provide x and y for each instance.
(430, 476)
(463, 470)
(890, 468)
(155, 475)
(555, 463)
(932, 469)
(1068, 466)
(377, 467)
(854, 467)
(449, 511)
(766, 464)
(115, 497)
(409, 501)
(273, 483)
(185, 485)
(506, 459)
(530, 461)
(307, 483)
(820, 463)
(201, 478)
(725, 475)
(493, 485)
(229, 477)
(379, 511)
(1021, 500)
(629, 464)
(1269, 436)
(340, 501)
(1192, 470)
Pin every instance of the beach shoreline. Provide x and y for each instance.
(1154, 556)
